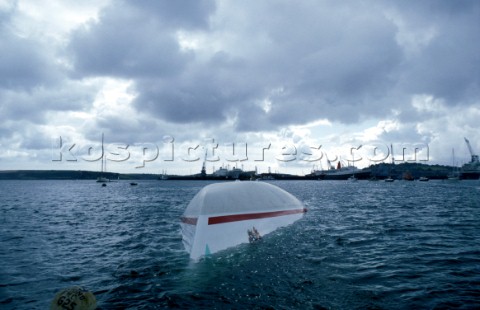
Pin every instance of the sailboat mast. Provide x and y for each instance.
(453, 157)
(102, 153)
(393, 158)
(353, 164)
(454, 167)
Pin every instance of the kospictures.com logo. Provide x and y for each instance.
(209, 150)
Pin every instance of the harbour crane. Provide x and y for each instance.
(474, 157)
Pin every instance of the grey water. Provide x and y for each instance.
(361, 245)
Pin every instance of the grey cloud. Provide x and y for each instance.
(208, 93)
(34, 139)
(434, 8)
(120, 50)
(343, 62)
(124, 128)
(188, 14)
(24, 63)
(448, 67)
(137, 39)
(21, 134)
(32, 81)
(6, 12)
(33, 106)
(340, 61)
(323, 72)
(332, 61)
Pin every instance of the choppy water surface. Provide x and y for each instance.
(400, 245)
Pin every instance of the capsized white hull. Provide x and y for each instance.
(204, 238)
(245, 206)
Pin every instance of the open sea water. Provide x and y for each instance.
(362, 245)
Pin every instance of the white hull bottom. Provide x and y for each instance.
(207, 235)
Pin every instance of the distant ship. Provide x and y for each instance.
(341, 173)
(352, 178)
(471, 170)
(164, 175)
(228, 174)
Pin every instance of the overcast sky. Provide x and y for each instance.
(313, 77)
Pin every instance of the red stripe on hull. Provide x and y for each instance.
(251, 216)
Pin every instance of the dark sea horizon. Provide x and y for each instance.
(361, 245)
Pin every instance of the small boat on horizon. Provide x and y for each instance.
(455, 174)
(352, 178)
(407, 176)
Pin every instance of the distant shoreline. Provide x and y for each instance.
(379, 171)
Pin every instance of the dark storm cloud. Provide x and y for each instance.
(310, 60)
(332, 61)
(210, 92)
(449, 66)
(324, 65)
(137, 39)
(332, 79)
(120, 50)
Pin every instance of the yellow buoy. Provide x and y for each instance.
(74, 298)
